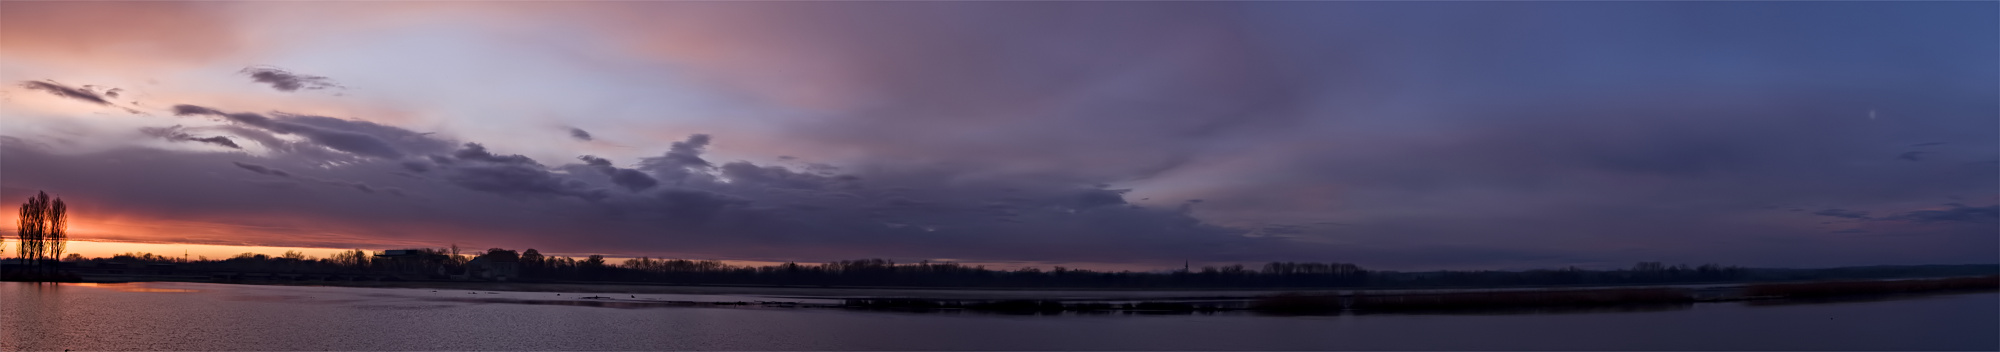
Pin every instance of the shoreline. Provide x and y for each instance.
(1700, 292)
(1281, 303)
(674, 288)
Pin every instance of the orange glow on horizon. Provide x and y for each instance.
(96, 249)
(106, 249)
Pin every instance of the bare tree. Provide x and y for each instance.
(57, 232)
(43, 231)
(30, 229)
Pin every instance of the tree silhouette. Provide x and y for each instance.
(531, 258)
(33, 218)
(500, 254)
(43, 230)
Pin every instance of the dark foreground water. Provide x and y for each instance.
(190, 316)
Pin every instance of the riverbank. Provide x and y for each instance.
(818, 292)
(1311, 301)
(881, 292)
(1357, 302)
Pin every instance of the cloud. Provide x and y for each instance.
(680, 161)
(418, 166)
(694, 208)
(1100, 197)
(60, 90)
(263, 169)
(633, 180)
(287, 81)
(1842, 213)
(475, 168)
(217, 140)
(477, 152)
(789, 213)
(347, 136)
(174, 133)
(1957, 213)
(579, 134)
(1912, 156)
(358, 186)
(188, 110)
(777, 177)
(518, 179)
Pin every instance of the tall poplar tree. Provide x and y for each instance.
(43, 230)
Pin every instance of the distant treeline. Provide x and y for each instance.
(531, 265)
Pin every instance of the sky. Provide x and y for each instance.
(1396, 135)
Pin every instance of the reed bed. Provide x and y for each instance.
(1854, 288)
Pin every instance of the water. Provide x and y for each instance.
(192, 316)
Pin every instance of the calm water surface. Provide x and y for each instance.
(193, 316)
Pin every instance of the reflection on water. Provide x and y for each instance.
(1849, 299)
(1632, 308)
(607, 303)
(240, 317)
(401, 306)
(130, 287)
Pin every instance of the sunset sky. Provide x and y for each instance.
(1419, 135)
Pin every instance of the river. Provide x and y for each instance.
(200, 316)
